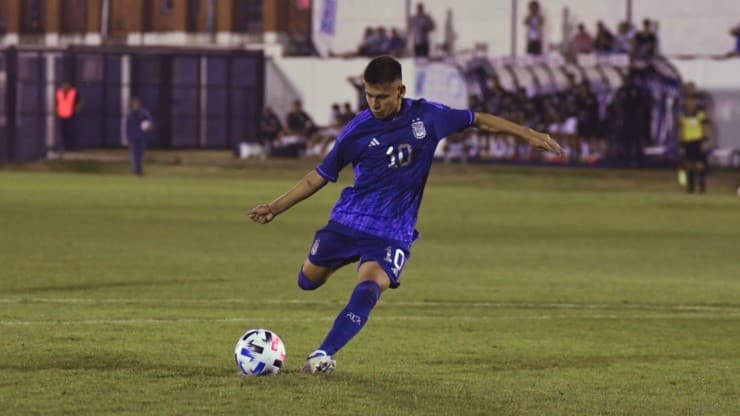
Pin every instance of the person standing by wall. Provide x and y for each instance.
(735, 33)
(535, 23)
(633, 104)
(139, 124)
(420, 26)
(67, 104)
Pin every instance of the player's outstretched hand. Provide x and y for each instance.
(543, 141)
(261, 214)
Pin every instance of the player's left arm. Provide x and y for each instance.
(492, 124)
(306, 187)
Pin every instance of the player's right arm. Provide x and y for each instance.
(306, 187)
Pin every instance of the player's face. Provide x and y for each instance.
(384, 100)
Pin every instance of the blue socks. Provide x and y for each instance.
(353, 317)
(305, 283)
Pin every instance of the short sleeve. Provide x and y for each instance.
(447, 120)
(337, 158)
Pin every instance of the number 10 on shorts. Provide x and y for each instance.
(396, 259)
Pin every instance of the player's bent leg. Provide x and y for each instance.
(311, 276)
(373, 280)
(371, 270)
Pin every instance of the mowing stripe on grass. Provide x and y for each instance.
(731, 316)
(472, 304)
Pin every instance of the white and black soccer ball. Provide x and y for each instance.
(259, 352)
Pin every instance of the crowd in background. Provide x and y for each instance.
(299, 135)
(642, 44)
(594, 123)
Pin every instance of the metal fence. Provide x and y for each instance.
(198, 98)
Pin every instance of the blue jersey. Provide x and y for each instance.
(391, 160)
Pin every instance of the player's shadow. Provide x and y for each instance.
(115, 361)
(73, 287)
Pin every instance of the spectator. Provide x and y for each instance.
(347, 113)
(68, 105)
(582, 42)
(298, 121)
(318, 144)
(359, 85)
(495, 96)
(588, 121)
(421, 25)
(368, 40)
(624, 38)
(270, 129)
(605, 40)
(645, 43)
(396, 44)
(299, 128)
(633, 106)
(735, 32)
(535, 23)
(378, 42)
(139, 124)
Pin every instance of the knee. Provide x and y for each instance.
(305, 283)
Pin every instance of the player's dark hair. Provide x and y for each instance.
(382, 70)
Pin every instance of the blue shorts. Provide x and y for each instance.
(336, 245)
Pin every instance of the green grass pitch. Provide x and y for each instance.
(531, 292)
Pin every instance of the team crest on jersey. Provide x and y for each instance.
(420, 131)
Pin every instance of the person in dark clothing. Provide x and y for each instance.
(633, 104)
(645, 42)
(299, 122)
(139, 124)
(421, 25)
(270, 129)
(347, 113)
(359, 86)
(299, 128)
(605, 40)
(535, 23)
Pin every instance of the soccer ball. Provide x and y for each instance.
(259, 352)
(146, 125)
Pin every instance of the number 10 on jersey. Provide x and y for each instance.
(400, 157)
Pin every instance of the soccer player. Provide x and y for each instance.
(391, 146)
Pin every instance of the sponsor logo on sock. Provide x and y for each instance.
(354, 318)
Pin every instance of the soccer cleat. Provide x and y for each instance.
(319, 362)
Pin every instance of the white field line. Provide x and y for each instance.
(459, 304)
(245, 319)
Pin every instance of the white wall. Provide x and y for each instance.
(321, 82)
(710, 73)
(685, 26)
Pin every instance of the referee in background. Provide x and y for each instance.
(695, 132)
